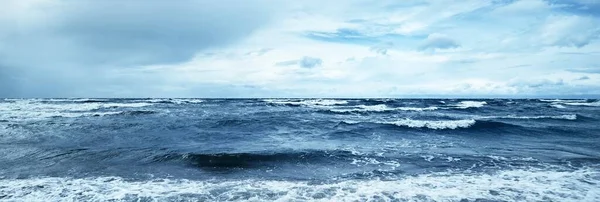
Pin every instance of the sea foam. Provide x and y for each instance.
(506, 185)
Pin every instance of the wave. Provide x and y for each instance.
(430, 124)
(587, 104)
(89, 100)
(248, 160)
(446, 124)
(34, 110)
(505, 185)
(176, 101)
(307, 102)
(559, 100)
(559, 103)
(378, 108)
(439, 124)
(560, 117)
(137, 112)
(470, 104)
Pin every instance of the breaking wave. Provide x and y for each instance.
(470, 104)
(378, 108)
(559, 117)
(429, 124)
(587, 104)
(438, 125)
(506, 185)
(307, 102)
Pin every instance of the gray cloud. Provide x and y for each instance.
(137, 31)
(438, 41)
(75, 43)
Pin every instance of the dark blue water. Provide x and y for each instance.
(299, 150)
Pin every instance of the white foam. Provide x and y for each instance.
(177, 100)
(559, 100)
(587, 104)
(445, 124)
(509, 185)
(552, 100)
(34, 110)
(193, 101)
(379, 108)
(562, 117)
(559, 103)
(470, 104)
(363, 108)
(308, 102)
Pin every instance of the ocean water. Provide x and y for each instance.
(299, 150)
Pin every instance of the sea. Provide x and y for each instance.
(299, 150)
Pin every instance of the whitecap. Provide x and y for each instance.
(560, 117)
(443, 124)
(34, 110)
(505, 185)
(470, 104)
(587, 104)
(379, 108)
(308, 102)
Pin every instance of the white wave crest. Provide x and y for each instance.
(563, 117)
(445, 124)
(508, 185)
(379, 108)
(308, 102)
(33, 110)
(559, 100)
(559, 103)
(587, 104)
(363, 108)
(177, 100)
(470, 104)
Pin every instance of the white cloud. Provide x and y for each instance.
(568, 31)
(297, 48)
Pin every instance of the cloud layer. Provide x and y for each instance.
(262, 48)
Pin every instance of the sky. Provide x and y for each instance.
(309, 48)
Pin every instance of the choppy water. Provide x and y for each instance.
(299, 150)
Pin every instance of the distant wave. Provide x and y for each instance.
(559, 100)
(438, 125)
(32, 109)
(176, 101)
(89, 100)
(470, 104)
(587, 104)
(341, 106)
(430, 124)
(308, 102)
(561, 117)
(505, 185)
(377, 108)
(137, 112)
(560, 103)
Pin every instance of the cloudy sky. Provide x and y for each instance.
(309, 48)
